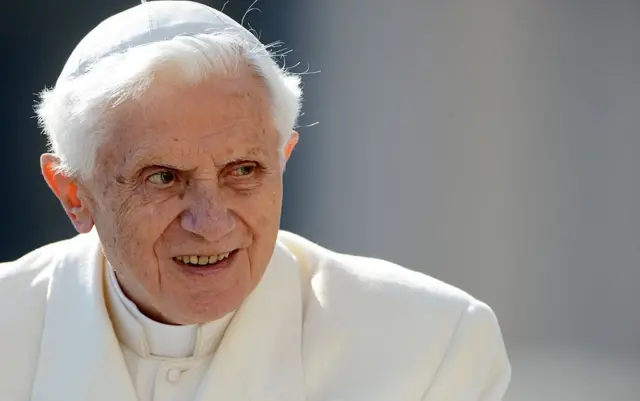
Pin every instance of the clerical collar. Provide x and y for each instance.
(146, 337)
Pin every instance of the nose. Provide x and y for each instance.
(207, 216)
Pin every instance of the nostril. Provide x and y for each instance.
(207, 223)
(187, 220)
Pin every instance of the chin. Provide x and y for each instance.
(207, 310)
(210, 293)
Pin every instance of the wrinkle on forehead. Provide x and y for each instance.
(170, 122)
(221, 146)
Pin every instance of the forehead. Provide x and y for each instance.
(220, 116)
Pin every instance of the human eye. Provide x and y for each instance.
(244, 170)
(162, 178)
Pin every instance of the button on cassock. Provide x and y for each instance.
(173, 375)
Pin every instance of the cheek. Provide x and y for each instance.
(259, 209)
(137, 225)
(264, 225)
(271, 210)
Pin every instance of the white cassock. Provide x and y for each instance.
(166, 363)
(320, 326)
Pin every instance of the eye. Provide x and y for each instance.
(243, 170)
(162, 178)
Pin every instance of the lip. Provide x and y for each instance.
(208, 269)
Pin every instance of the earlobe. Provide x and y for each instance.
(65, 189)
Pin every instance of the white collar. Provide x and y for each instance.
(146, 337)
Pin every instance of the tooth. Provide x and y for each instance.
(203, 260)
(179, 258)
(212, 259)
(193, 259)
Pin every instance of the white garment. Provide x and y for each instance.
(320, 326)
(166, 362)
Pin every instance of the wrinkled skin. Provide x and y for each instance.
(188, 170)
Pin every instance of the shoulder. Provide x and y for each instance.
(33, 265)
(22, 273)
(23, 296)
(24, 291)
(401, 323)
(24, 284)
(369, 286)
(37, 263)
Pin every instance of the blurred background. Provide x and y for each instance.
(492, 144)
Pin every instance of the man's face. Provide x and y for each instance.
(192, 173)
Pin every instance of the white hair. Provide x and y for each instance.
(75, 113)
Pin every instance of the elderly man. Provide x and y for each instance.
(170, 127)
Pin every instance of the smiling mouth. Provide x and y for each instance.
(203, 260)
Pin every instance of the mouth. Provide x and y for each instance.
(205, 263)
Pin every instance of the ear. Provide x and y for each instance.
(66, 190)
(291, 143)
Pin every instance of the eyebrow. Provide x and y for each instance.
(138, 161)
(134, 164)
(142, 157)
(255, 151)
